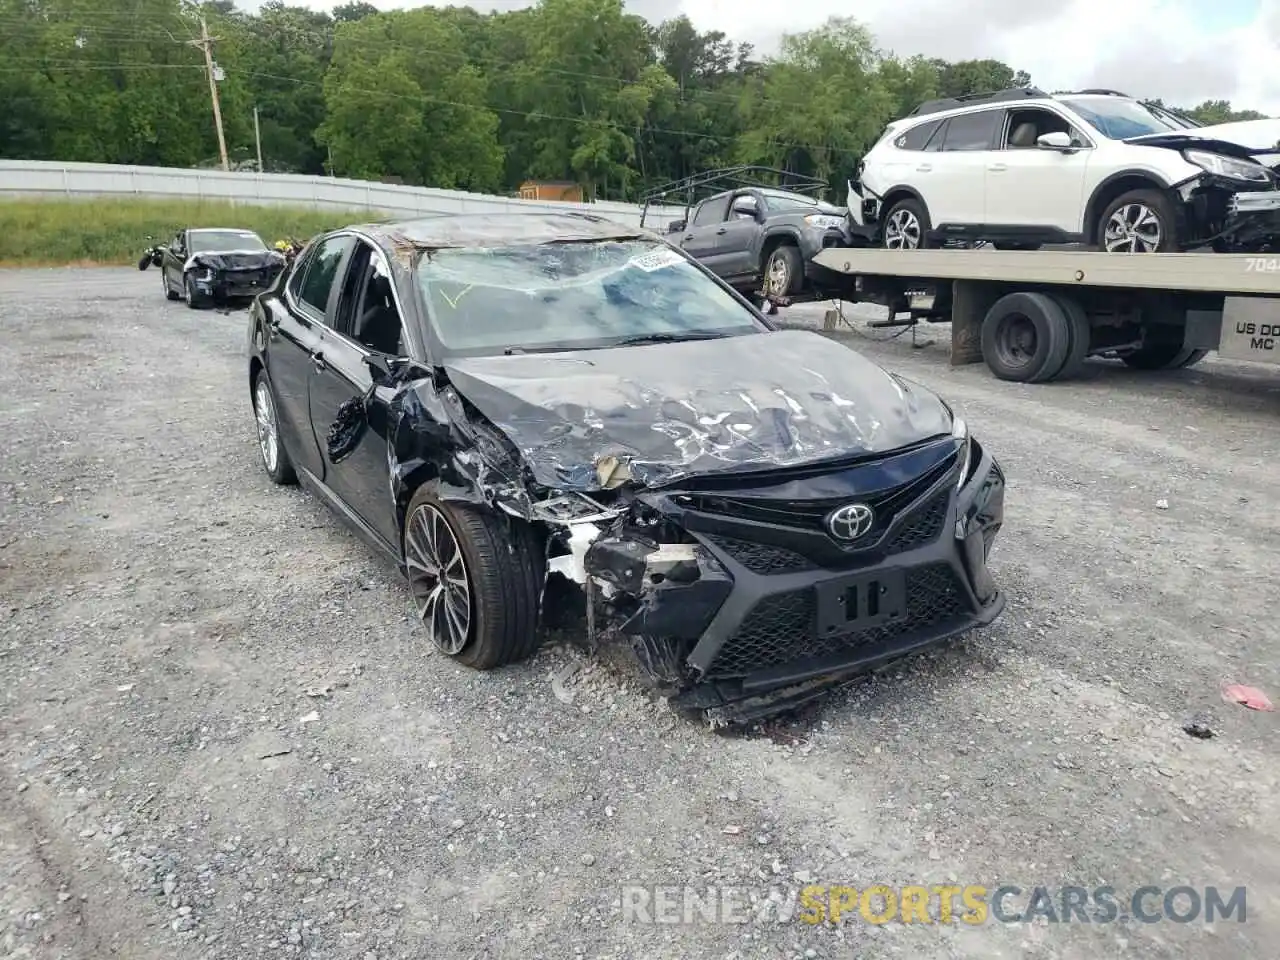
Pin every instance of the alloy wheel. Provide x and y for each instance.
(1133, 228)
(268, 435)
(779, 274)
(438, 579)
(902, 231)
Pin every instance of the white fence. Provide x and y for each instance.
(28, 178)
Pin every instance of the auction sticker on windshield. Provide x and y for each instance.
(657, 260)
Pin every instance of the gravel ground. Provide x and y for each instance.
(222, 735)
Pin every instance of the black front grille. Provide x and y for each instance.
(810, 514)
(781, 628)
(924, 526)
(763, 557)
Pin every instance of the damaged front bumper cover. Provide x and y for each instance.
(733, 622)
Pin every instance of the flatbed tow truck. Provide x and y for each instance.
(1035, 316)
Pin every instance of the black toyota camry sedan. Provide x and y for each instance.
(525, 412)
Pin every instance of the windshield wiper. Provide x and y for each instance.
(666, 338)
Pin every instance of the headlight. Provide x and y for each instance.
(1228, 167)
(823, 221)
(960, 433)
(207, 275)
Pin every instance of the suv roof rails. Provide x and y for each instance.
(968, 99)
(1101, 92)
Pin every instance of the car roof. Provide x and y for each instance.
(497, 229)
(221, 230)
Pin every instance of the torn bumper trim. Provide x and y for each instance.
(1259, 201)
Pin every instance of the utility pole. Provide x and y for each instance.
(205, 43)
(257, 137)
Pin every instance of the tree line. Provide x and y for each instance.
(569, 90)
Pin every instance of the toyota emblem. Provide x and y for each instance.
(851, 521)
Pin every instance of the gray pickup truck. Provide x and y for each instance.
(759, 239)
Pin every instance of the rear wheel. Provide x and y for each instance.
(475, 580)
(1025, 338)
(275, 459)
(1078, 336)
(1140, 221)
(906, 226)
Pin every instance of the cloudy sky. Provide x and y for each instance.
(1183, 51)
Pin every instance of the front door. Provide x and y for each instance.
(738, 243)
(348, 415)
(1035, 187)
(172, 261)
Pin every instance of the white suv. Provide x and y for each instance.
(1021, 168)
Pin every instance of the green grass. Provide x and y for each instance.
(57, 232)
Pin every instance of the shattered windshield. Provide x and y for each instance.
(216, 241)
(572, 296)
(1122, 119)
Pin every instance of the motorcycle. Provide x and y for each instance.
(290, 248)
(151, 256)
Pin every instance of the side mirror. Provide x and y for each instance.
(1055, 141)
(746, 210)
(675, 226)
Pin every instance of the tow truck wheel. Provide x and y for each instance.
(1079, 333)
(1026, 337)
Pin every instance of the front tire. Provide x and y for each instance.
(195, 300)
(275, 458)
(783, 271)
(1026, 338)
(475, 578)
(1140, 221)
(906, 226)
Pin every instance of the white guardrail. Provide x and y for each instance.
(30, 178)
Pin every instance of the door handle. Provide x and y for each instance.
(924, 168)
(317, 361)
(274, 324)
(998, 167)
(720, 231)
(688, 236)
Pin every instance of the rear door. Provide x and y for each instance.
(701, 240)
(295, 321)
(365, 319)
(952, 172)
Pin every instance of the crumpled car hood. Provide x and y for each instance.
(236, 260)
(1191, 141)
(668, 411)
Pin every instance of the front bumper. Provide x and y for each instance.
(235, 284)
(773, 608)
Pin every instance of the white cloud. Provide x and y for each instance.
(1150, 48)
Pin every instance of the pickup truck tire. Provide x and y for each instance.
(1026, 337)
(906, 226)
(1151, 212)
(783, 271)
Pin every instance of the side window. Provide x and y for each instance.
(322, 271)
(973, 131)
(180, 242)
(918, 136)
(935, 140)
(1027, 126)
(300, 271)
(711, 211)
(376, 323)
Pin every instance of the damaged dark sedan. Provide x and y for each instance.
(526, 409)
(214, 265)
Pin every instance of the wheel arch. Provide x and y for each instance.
(1120, 182)
(773, 239)
(901, 192)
